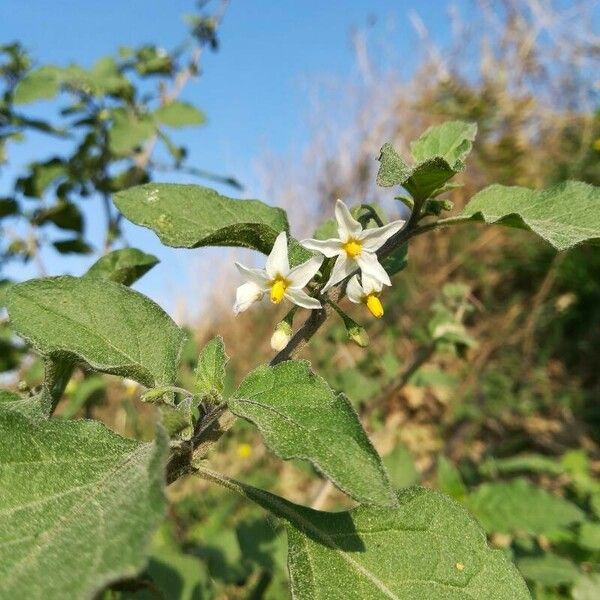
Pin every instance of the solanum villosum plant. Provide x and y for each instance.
(79, 503)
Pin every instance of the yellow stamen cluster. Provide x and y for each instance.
(374, 305)
(353, 248)
(278, 287)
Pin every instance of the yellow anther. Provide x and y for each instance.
(278, 288)
(459, 566)
(374, 305)
(353, 248)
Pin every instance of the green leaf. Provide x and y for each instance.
(179, 114)
(401, 468)
(124, 266)
(449, 479)
(190, 216)
(396, 261)
(210, 370)
(73, 246)
(40, 84)
(519, 506)
(439, 155)
(63, 214)
(589, 535)
(548, 569)
(300, 416)
(427, 547)
(79, 505)
(587, 587)
(564, 215)
(452, 141)
(129, 131)
(8, 207)
(532, 463)
(103, 324)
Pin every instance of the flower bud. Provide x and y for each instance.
(281, 336)
(358, 335)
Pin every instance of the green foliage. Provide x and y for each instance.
(564, 215)
(75, 317)
(123, 266)
(519, 506)
(439, 154)
(548, 569)
(300, 416)
(88, 484)
(427, 547)
(210, 370)
(190, 216)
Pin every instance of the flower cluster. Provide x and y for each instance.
(355, 249)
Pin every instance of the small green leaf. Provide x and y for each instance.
(532, 463)
(40, 84)
(396, 261)
(124, 266)
(129, 131)
(64, 484)
(452, 141)
(103, 324)
(300, 416)
(519, 506)
(565, 215)
(179, 114)
(8, 207)
(548, 569)
(439, 155)
(63, 214)
(426, 548)
(449, 479)
(91, 389)
(73, 246)
(190, 216)
(210, 370)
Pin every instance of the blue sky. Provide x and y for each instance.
(254, 90)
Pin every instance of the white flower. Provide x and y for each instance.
(355, 247)
(278, 279)
(366, 293)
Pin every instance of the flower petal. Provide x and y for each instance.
(342, 268)
(256, 276)
(373, 239)
(246, 295)
(301, 298)
(370, 285)
(328, 248)
(278, 262)
(354, 290)
(348, 226)
(299, 276)
(369, 265)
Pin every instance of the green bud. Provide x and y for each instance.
(358, 335)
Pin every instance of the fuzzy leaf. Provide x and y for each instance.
(40, 84)
(124, 266)
(426, 548)
(519, 506)
(103, 324)
(189, 216)
(452, 141)
(300, 416)
(129, 131)
(564, 215)
(210, 370)
(79, 504)
(438, 155)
